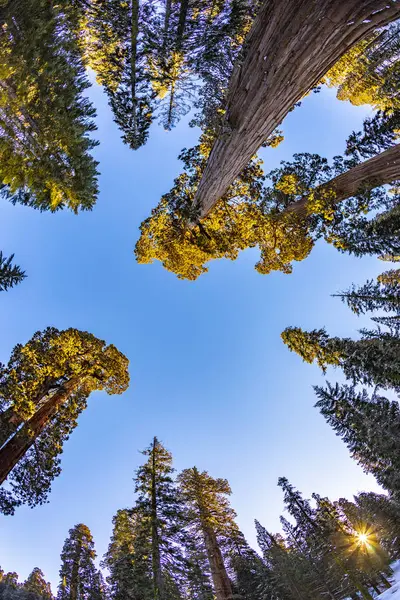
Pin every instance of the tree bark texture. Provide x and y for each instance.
(12, 452)
(289, 49)
(221, 581)
(155, 542)
(9, 423)
(74, 587)
(379, 170)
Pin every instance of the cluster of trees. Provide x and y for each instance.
(222, 203)
(151, 59)
(180, 541)
(43, 390)
(45, 119)
(228, 60)
(367, 420)
(34, 588)
(156, 59)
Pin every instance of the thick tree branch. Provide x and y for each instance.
(379, 170)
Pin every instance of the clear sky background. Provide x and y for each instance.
(209, 373)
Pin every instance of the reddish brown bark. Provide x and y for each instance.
(221, 581)
(379, 170)
(155, 540)
(19, 444)
(290, 47)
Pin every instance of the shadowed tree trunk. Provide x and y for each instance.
(74, 587)
(155, 542)
(10, 420)
(379, 170)
(19, 444)
(134, 39)
(221, 581)
(289, 48)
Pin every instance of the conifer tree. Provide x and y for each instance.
(45, 120)
(36, 584)
(198, 574)
(383, 513)
(287, 576)
(319, 530)
(371, 360)
(369, 427)
(117, 36)
(127, 558)
(369, 73)
(159, 509)
(78, 574)
(10, 274)
(384, 294)
(43, 389)
(211, 521)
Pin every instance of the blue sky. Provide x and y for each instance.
(209, 373)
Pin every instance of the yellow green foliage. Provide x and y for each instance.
(369, 73)
(391, 277)
(38, 368)
(241, 219)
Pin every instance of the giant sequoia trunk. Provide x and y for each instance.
(221, 581)
(290, 47)
(10, 420)
(12, 452)
(379, 170)
(9, 423)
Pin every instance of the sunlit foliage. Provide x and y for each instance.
(34, 424)
(45, 120)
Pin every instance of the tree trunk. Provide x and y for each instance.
(155, 542)
(385, 582)
(9, 423)
(181, 24)
(74, 587)
(288, 50)
(379, 170)
(19, 444)
(134, 37)
(221, 581)
(167, 17)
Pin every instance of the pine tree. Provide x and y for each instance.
(117, 36)
(10, 274)
(211, 522)
(383, 513)
(43, 389)
(45, 120)
(36, 584)
(286, 566)
(198, 574)
(369, 73)
(78, 575)
(127, 558)
(159, 509)
(372, 360)
(370, 427)
(384, 294)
